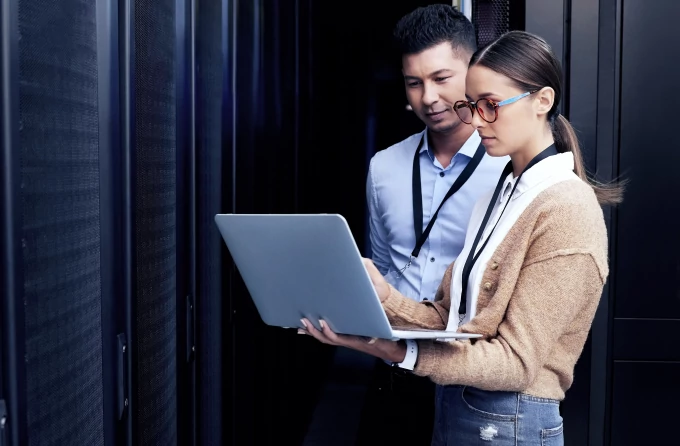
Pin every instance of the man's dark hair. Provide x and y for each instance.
(432, 25)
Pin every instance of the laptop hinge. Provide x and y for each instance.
(3, 424)
(191, 341)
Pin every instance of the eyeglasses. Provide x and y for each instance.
(487, 109)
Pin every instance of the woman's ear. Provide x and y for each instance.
(545, 99)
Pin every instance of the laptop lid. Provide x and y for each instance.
(304, 265)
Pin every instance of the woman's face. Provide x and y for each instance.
(516, 123)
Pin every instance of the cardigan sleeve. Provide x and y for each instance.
(548, 295)
(407, 313)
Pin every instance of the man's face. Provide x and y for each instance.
(435, 80)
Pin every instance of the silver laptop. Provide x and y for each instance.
(309, 266)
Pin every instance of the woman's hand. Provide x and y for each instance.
(379, 283)
(380, 348)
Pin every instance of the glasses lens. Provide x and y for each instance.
(487, 109)
(464, 111)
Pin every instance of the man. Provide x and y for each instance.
(436, 43)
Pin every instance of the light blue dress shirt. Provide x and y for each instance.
(389, 195)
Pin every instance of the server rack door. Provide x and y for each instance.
(51, 131)
(152, 105)
(185, 218)
(646, 309)
(12, 336)
(115, 352)
(213, 155)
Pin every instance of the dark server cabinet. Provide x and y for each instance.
(52, 264)
(98, 223)
(615, 54)
(156, 198)
(214, 192)
(646, 311)
(154, 143)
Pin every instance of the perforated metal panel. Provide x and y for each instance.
(61, 235)
(210, 268)
(491, 19)
(155, 148)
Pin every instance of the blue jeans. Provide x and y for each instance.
(467, 416)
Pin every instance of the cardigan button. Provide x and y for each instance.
(487, 286)
(494, 266)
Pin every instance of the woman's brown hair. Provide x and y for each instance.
(530, 63)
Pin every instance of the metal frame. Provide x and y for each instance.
(11, 269)
(111, 209)
(608, 128)
(593, 112)
(229, 59)
(212, 424)
(191, 303)
(297, 105)
(186, 217)
(583, 75)
(127, 47)
(546, 18)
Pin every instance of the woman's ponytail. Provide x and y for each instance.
(566, 141)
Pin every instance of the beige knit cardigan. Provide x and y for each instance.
(538, 297)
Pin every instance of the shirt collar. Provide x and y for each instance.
(537, 174)
(469, 147)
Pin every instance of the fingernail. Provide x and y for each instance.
(323, 325)
(301, 331)
(303, 323)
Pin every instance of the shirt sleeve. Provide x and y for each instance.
(409, 361)
(378, 234)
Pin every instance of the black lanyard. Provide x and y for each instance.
(472, 257)
(421, 236)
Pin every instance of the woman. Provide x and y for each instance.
(531, 273)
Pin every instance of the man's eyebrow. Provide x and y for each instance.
(434, 73)
(440, 71)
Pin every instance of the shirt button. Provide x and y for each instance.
(441, 174)
(487, 286)
(494, 266)
(431, 259)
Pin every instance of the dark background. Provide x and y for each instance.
(127, 124)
